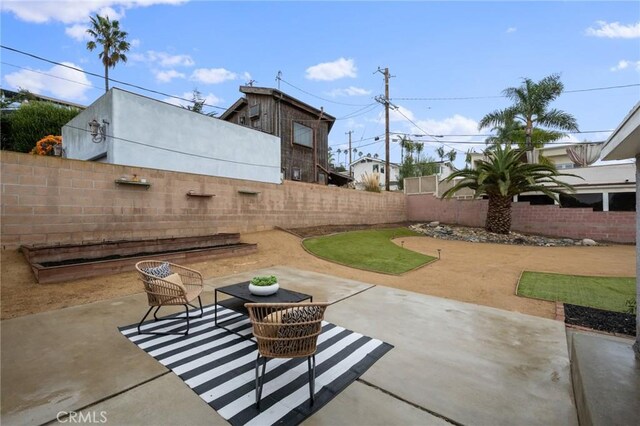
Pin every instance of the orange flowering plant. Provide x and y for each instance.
(46, 144)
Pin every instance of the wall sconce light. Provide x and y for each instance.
(98, 131)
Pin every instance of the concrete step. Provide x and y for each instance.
(606, 380)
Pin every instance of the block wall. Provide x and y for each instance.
(619, 227)
(49, 200)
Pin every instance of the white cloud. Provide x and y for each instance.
(624, 64)
(614, 30)
(454, 125)
(73, 11)
(246, 76)
(78, 32)
(58, 81)
(163, 59)
(349, 91)
(213, 75)
(209, 99)
(329, 71)
(399, 114)
(168, 75)
(135, 42)
(511, 30)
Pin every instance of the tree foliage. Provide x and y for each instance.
(530, 121)
(31, 122)
(503, 176)
(107, 34)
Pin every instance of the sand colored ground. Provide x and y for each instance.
(485, 274)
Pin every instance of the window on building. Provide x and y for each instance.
(302, 135)
(536, 200)
(582, 200)
(242, 120)
(375, 168)
(254, 111)
(622, 202)
(296, 173)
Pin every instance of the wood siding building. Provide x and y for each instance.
(303, 130)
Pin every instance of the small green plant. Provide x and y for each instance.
(264, 281)
(631, 305)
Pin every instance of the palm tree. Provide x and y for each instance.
(503, 176)
(419, 147)
(114, 44)
(531, 108)
(339, 151)
(440, 152)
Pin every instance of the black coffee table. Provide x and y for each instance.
(240, 295)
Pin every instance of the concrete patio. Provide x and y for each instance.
(453, 362)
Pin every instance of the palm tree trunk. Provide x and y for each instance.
(106, 78)
(499, 215)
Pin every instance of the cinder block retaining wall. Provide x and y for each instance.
(49, 200)
(553, 221)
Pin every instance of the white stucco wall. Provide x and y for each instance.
(76, 137)
(148, 133)
(363, 166)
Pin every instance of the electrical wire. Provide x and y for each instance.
(315, 96)
(50, 75)
(178, 152)
(101, 76)
(464, 98)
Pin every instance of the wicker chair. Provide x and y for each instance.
(182, 286)
(286, 330)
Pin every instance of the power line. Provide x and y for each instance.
(427, 133)
(279, 78)
(464, 98)
(101, 76)
(50, 75)
(178, 152)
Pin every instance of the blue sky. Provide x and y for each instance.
(331, 50)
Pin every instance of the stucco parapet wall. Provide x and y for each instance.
(50, 200)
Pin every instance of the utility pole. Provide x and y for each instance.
(386, 123)
(386, 128)
(349, 133)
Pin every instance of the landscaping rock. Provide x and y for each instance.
(480, 235)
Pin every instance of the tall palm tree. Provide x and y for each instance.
(440, 152)
(501, 177)
(419, 147)
(531, 108)
(113, 41)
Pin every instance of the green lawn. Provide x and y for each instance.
(609, 293)
(371, 250)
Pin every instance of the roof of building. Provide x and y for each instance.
(372, 160)
(12, 94)
(279, 95)
(624, 142)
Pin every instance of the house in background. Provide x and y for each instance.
(124, 128)
(604, 186)
(303, 130)
(18, 98)
(371, 165)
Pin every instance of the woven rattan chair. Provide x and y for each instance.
(286, 330)
(168, 284)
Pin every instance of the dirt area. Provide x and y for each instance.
(479, 273)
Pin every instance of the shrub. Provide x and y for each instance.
(33, 121)
(371, 182)
(264, 281)
(45, 146)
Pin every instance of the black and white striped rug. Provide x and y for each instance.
(218, 365)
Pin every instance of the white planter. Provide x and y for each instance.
(263, 290)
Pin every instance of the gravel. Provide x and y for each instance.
(480, 235)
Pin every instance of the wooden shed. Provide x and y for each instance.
(303, 130)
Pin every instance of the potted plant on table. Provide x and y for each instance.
(263, 285)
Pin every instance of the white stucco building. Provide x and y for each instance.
(371, 165)
(604, 186)
(124, 128)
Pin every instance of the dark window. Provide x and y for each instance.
(622, 202)
(536, 200)
(241, 120)
(375, 168)
(582, 200)
(302, 135)
(254, 111)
